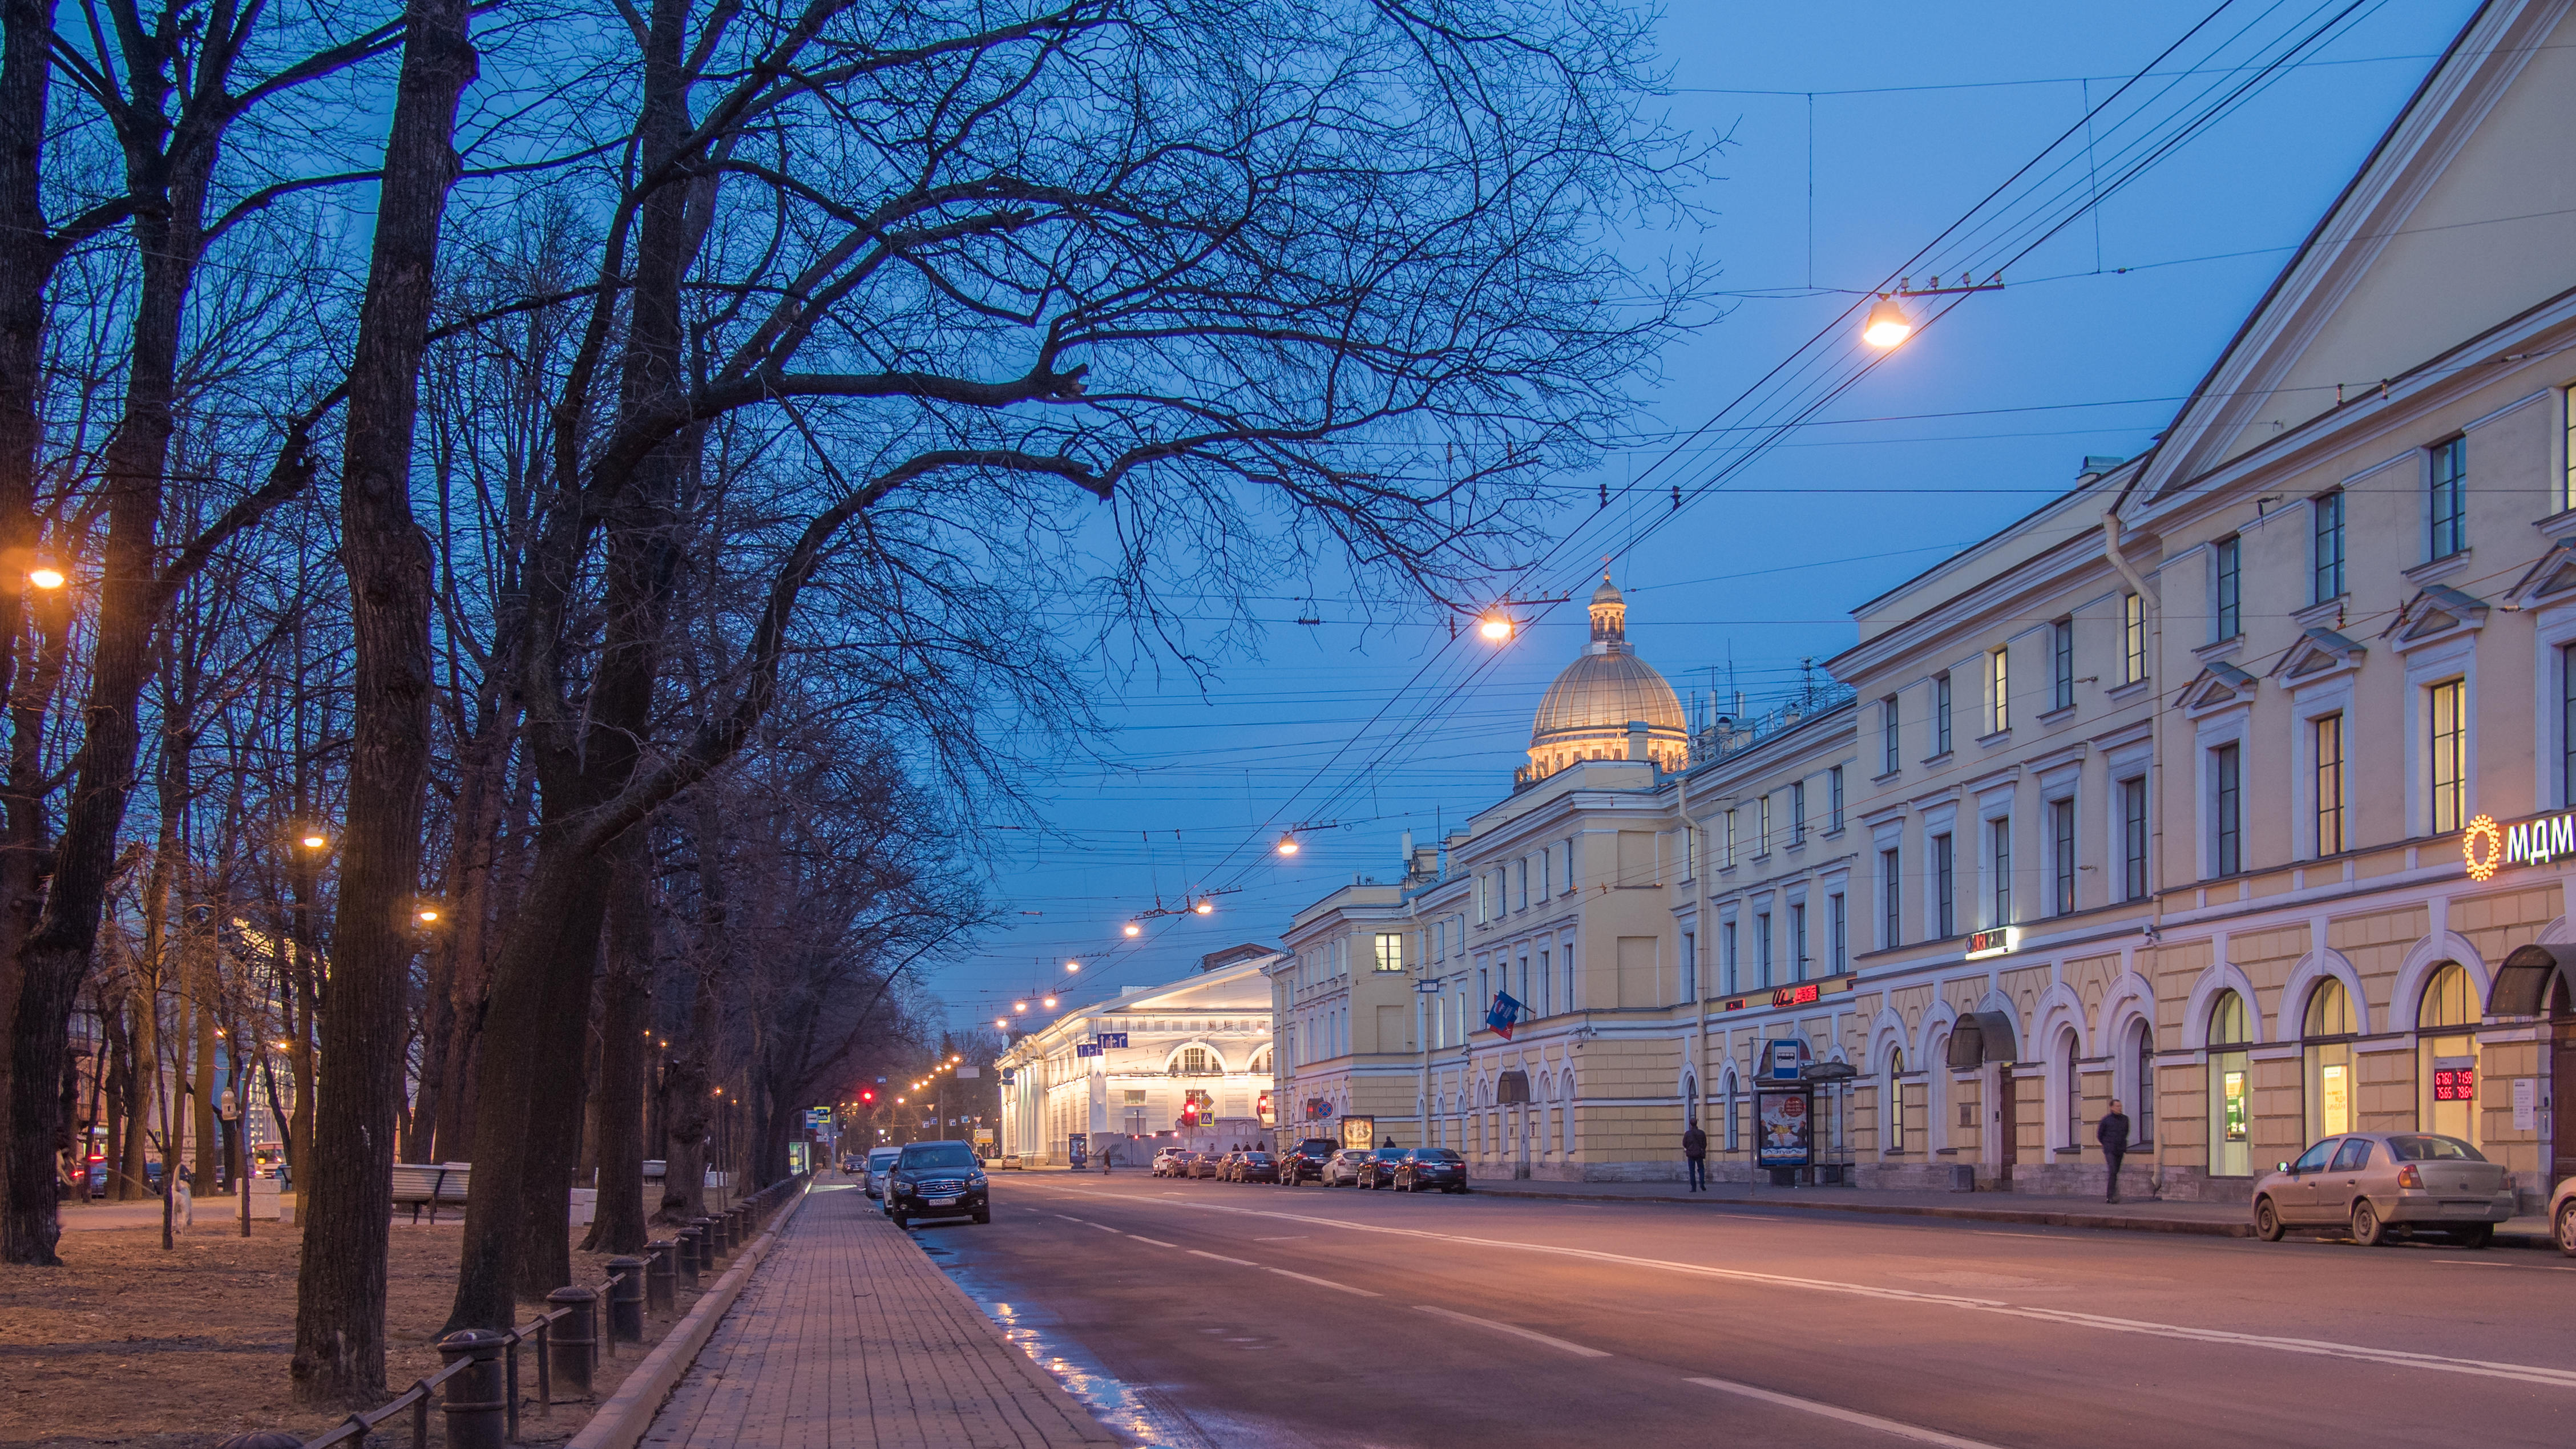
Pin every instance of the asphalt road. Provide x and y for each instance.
(1196, 1313)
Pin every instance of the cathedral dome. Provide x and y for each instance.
(1587, 712)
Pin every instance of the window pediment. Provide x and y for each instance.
(2439, 612)
(2320, 654)
(2218, 687)
(2550, 581)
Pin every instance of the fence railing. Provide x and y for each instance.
(479, 1384)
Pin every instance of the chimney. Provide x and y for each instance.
(1637, 739)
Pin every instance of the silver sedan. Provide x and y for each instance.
(2371, 1184)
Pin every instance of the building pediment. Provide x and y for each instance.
(2440, 612)
(2320, 654)
(2217, 687)
(2550, 581)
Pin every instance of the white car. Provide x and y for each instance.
(2562, 1216)
(879, 1160)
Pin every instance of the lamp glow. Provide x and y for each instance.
(45, 576)
(1496, 627)
(1204, 908)
(1887, 325)
(1133, 929)
(315, 842)
(428, 916)
(1288, 845)
(1050, 1002)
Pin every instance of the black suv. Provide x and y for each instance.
(1305, 1161)
(937, 1180)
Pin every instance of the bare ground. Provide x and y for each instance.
(132, 1345)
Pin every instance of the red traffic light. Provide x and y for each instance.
(867, 1094)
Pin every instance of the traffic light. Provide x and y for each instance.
(868, 1096)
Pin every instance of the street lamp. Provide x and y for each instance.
(1495, 627)
(1288, 843)
(314, 840)
(47, 577)
(1887, 325)
(1072, 966)
(1204, 908)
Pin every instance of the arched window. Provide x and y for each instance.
(2231, 1089)
(1892, 1111)
(1260, 1062)
(1565, 1113)
(1734, 1142)
(1690, 1099)
(2142, 1054)
(2070, 1086)
(1195, 1062)
(1936, 1088)
(2326, 1031)
(2447, 1051)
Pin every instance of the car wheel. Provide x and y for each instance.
(2477, 1236)
(2567, 1229)
(901, 1220)
(983, 1215)
(2267, 1221)
(2366, 1228)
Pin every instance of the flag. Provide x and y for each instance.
(1505, 1014)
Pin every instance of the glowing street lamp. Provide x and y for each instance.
(47, 577)
(1204, 908)
(1887, 325)
(1288, 843)
(428, 915)
(314, 840)
(1050, 1003)
(1495, 627)
(1134, 929)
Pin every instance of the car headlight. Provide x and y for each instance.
(976, 1181)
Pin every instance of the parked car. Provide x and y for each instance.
(879, 1159)
(937, 1180)
(1377, 1169)
(1164, 1160)
(1342, 1169)
(1256, 1167)
(1205, 1164)
(1427, 1167)
(1305, 1161)
(2562, 1216)
(2376, 1184)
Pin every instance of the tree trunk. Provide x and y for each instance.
(626, 1019)
(347, 1184)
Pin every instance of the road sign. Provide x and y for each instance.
(1116, 1039)
(1086, 1048)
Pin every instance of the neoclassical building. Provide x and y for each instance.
(2237, 783)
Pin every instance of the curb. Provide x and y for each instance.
(624, 1417)
(2028, 1217)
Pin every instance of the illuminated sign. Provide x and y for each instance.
(1116, 1039)
(2487, 847)
(1086, 1048)
(1796, 995)
(1993, 941)
(2455, 1084)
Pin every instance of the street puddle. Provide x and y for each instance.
(1135, 1414)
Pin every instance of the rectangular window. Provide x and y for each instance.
(1390, 950)
(2567, 723)
(2567, 489)
(1891, 886)
(1520, 875)
(1547, 871)
(1945, 904)
(1998, 691)
(2230, 591)
(2061, 849)
(1762, 948)
(2325, 736)
(2133, 638)
(1727, 845)
(1890, 740)
(1798, 942)
(1941, 716)
(2450, 751)
(1837, 935)
(1834, 799)
(2326, 512)
(1797, 812)
(1999, 858)
(2226, 813)
(1726, 950)
(2061, 664)
(2133, 839)
(2448, 498)
(1762, 830)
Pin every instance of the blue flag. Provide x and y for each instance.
(1506, 1013)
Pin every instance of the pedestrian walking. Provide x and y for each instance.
(2113, 1134)
(1695, 1152)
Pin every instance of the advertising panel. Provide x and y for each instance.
(1359, 1133)
(1785, 1126)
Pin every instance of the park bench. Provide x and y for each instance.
(420, 1185)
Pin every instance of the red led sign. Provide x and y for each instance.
(2455, 1084)
(1796, 995)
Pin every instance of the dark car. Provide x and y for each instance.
(878, 1162)
(1206, 1164)
(1426, 1167)
(1305, 1161)
(1342, 1169)
(1377, 1169)
(1256, 1167)
(937, 1180)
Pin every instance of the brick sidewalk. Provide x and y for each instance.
(847, 1337)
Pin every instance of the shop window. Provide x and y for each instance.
(2447, 1054)
(2326, 1034)
(1893, 1109)
(1734, 1140)
(2231, 1089)
(2142, 1052)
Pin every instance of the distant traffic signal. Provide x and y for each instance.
(868, 1095)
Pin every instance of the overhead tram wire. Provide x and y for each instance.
(1826, 365)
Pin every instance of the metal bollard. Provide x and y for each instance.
(742, 1232)
(626, 1300)
(573, 1341)
(710, 1243)
(729, 1232)
(689, 1237)
(657, 1282)
(476, 1400)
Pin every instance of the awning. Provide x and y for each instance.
(2522, 983)
(1981, 1037)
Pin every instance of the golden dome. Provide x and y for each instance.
(1586, 713)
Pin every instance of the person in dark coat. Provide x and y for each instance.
(1695, 1152)
(2113, 1134)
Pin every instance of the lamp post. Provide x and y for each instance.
(228, 1107)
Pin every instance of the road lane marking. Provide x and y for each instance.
(1104, 1227)
(1071, 1219)
(2523, 1267)
(1291, 1238)
(1157, 1242)
(1514, 1329)
(1323, 1282)
(1222, 1258)
(2318, 1348)
(1914, 1432)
